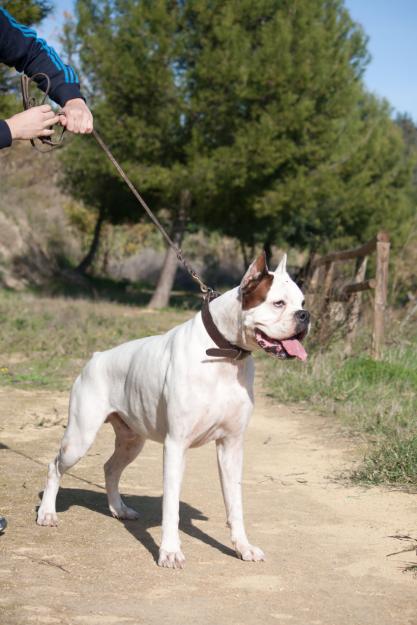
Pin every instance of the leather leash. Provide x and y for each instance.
(224, 349)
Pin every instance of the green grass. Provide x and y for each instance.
(45, 341)
(392, 461)
(376, 400)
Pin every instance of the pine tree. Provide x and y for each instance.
(128, 57)
(291, 148)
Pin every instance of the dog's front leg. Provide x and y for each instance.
(170, 554)
(230, 461)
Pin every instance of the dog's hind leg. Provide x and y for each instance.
(127, 446)
(84, 421)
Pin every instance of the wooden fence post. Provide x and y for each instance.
(381, 290)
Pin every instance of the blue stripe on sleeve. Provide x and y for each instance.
(51, 53)
(69, 74)
(75, 77)
(55, 58)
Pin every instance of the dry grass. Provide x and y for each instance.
(45, 341)
(34, 230)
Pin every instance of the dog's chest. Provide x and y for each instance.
(220, 405)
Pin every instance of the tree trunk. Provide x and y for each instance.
(91, 254)
(246, 261)
(268, 249)
(162, 293)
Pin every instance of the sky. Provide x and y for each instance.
(392, 30)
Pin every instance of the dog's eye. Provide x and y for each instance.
(280, 303)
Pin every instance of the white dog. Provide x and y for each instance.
(167, 388)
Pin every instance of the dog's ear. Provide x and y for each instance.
(282, 267)
(253, 276)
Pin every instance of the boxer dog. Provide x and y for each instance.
(182, 390)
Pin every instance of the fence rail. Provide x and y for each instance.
(364, 250)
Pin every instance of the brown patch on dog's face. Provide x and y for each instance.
(256, 283)
(258, 294)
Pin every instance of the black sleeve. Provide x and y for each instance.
(5, 135)
(20, 47)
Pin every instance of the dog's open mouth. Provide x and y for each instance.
(285, 348)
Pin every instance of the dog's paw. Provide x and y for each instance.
(171, 559)
(249, 553)
(47, 519)
(123, 512)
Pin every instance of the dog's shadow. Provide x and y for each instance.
(150, 510)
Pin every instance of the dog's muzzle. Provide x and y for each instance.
(302, 318)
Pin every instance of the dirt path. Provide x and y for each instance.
(326, 543)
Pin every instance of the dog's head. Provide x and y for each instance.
(272, 310)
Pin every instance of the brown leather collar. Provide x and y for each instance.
(224, 348)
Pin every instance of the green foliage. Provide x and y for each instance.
(409, 133)
(257, 108)
(274, 84)
(309, 155)
(128, 52)
(28, 12)
(9, 102)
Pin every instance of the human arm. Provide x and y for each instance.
(20, 47)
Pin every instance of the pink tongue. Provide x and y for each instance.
(294, 348)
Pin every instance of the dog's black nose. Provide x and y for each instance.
(302, 316)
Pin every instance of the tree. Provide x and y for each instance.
(299, 146)
(409, 133)
(137, 111)
(253, 111)
(404, 282)
(28, 12)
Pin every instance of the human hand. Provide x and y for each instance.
(78, 117)
(35, 122)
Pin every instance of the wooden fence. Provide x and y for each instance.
(321, 281)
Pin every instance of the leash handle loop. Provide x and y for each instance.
(30, 101)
